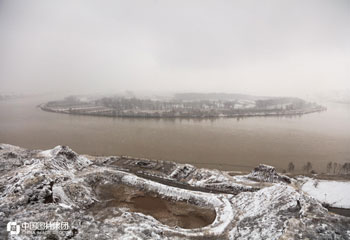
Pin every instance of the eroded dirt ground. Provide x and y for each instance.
(166, 211)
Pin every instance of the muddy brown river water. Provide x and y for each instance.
(228, 144)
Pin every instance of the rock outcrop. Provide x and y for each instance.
(266, 173)
(61, 186)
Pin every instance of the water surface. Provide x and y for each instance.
(228, 144)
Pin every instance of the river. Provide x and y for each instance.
(226, 144)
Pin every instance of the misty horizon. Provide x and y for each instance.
(265, 48)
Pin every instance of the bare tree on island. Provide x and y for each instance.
(329, 167)
(345, 169)
(338, 168)
(335, 166)
(308, 167)
(291, 167)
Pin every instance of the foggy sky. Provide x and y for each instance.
(259, 47)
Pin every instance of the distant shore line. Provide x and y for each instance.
(106, 112)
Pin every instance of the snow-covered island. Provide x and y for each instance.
(122, 197)
(193, 105)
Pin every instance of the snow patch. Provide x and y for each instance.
(334, 193)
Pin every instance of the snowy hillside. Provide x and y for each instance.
(126, 198)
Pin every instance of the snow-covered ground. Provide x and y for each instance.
(334, 193)
(59, 184)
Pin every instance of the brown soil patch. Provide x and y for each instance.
(171, 213)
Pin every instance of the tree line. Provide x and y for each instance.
(331, 168)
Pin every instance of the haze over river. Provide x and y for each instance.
(227, 144)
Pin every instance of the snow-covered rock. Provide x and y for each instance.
(59, 185)
(266, 173)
